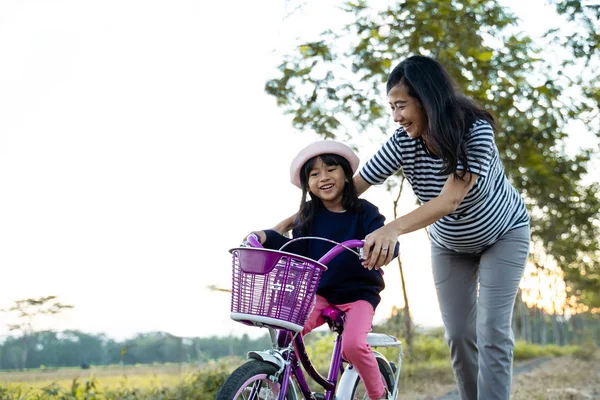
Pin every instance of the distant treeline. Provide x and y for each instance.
(533, 325)
(78, 349)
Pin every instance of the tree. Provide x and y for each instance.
(334, 87)
(27, 310)
(581, 36)
(398, 181)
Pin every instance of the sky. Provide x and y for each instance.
(137, 146)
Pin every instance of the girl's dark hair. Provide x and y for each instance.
(449, 113)
(308, 208)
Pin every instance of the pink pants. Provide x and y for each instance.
(357, 324)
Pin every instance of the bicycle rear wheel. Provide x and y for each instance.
(387, 377)
(251, 381)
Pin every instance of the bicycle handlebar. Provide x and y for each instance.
(253, 241)
(347, 245)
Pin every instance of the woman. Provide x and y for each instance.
(479, 226)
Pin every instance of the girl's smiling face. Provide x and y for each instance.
(407, 111)
(327, 183)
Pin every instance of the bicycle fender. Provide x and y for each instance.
(265, 356)
(346, 384)
(350, 376)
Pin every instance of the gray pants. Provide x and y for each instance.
(478, 325)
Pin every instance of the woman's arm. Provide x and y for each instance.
(372, 220)
(452, 194)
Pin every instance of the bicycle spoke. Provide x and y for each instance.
(260, 390)
(255, 389)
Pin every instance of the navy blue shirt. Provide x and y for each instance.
(346, 280)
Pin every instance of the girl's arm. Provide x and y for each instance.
(285, 225)
(270, 239)
(360, 184)
(452, 194)
(262, 236)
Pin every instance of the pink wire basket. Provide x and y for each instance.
(273, 288)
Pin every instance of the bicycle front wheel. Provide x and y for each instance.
(252, 381)
(359, 392)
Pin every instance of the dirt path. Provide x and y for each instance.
(561, 378)
(526, 367)
(564, 378)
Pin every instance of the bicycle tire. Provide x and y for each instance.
(241, 382)
(387, 375)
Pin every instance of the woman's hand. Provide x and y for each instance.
(379, 247)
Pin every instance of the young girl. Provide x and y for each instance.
(324, 171)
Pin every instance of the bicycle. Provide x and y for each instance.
(276, 290)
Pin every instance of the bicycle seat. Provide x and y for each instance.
(334, 318)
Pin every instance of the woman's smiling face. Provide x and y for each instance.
(407, 111)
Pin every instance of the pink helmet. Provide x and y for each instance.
(318, 148)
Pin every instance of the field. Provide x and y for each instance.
(107, 377)
(575, 376)
(147, 382)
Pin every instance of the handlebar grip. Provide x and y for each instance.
(254, 241)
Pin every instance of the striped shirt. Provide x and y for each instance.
(490, 209)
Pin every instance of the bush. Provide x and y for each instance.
(205, 384)
(438, 371)
(527, 351)
(430, 348)
(586, 352)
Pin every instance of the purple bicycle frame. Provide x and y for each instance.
(285, 337)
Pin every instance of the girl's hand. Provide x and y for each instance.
(379, 247)
(262, 236)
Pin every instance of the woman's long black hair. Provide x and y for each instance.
(309, 208)
(449, 113)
